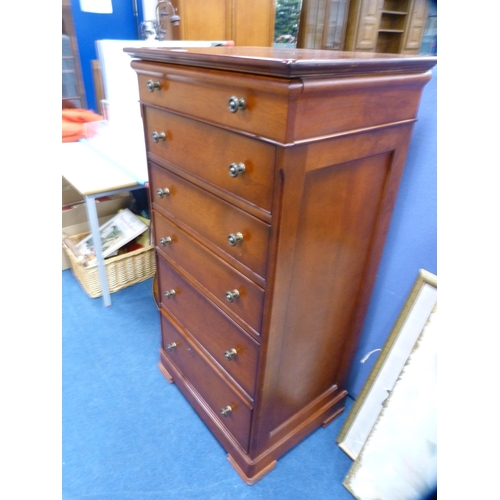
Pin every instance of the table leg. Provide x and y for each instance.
(94, 230)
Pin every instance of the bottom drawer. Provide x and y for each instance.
(231, 409)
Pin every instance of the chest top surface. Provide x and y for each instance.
(286, 63)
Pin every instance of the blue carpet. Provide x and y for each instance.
(129, 434)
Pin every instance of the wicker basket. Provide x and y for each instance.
(122, 271)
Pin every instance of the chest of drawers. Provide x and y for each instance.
(273, 175)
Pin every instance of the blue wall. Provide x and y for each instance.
(89, 27)
(411, 242)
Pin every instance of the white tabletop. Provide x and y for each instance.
(91, 173)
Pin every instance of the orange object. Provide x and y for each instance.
(73, 123)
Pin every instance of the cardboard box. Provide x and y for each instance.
(74, 220)
(69, 193)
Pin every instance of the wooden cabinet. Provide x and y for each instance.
(244, 22)
(323, 24)
(272, 182)
(386, 26)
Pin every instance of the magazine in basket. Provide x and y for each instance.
(118, 231)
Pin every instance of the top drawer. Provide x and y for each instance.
(206, 94)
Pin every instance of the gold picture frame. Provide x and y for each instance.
(410, 323)
(399, 458)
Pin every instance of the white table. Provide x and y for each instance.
(94, 176)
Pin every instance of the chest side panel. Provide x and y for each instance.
(327, 256)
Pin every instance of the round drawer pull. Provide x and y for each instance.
(234, 238)
(158, 136)
(169, 293)
(232, 296)
(153, 85)
(165, 241)
(170, 347)
(163, 192)
(236, 104)
(236, 169)
(231, 354)
(226, 411)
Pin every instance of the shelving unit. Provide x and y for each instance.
(386, 26)
(393, 22)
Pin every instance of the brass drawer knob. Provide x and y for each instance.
(236, 169)
(169, 293)
(231, 354)
(165, 241)
(232, 296)
(236, 104)
(158, 136)
(170, 347)
(163, 192)
(226, 411)
(153, 85)
(234, 238)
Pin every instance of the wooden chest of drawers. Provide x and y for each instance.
(273, 175)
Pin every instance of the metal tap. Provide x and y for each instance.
(161, 12)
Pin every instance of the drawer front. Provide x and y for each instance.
(212, 218)
(206, 95)
(211, 387)
(213, 329)
(230, 161)
(211, 272)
